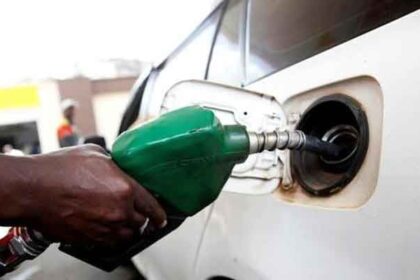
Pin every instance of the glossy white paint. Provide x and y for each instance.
(260, 237)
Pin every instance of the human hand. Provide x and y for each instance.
(79, 195)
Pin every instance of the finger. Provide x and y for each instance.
(137, 220)
(96, 148)
(149, 229)
(147, 205)
(125, 234)
(118, 236)
(93, 233)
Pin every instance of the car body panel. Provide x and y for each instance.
(260, 237)
(379, 240)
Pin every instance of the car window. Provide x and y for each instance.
(284, 32)
(132, 110)
(189, 61)
(226, 61)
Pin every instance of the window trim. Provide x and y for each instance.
(224, 4)
(242, 39)
(193, 34)
(136, 98)
(245, 51)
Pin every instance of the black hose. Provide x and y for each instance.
(322, 148)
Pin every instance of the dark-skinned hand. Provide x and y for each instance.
(79, 195)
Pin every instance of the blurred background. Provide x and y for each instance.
(66, 70)
(88, 52)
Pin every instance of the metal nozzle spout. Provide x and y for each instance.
(292, 140)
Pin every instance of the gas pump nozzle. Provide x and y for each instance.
(187, 141)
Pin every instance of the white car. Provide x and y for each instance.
(345, 71)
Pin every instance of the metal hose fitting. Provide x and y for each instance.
(269, 141)
(18, 245)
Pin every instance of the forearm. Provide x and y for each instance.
(16, 189)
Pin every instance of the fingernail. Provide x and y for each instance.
(144, 226)
(162, 225)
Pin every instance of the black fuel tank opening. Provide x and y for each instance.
(337, 119)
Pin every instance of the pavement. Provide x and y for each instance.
(53, 264)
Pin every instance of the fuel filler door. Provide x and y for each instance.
(347, 113)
